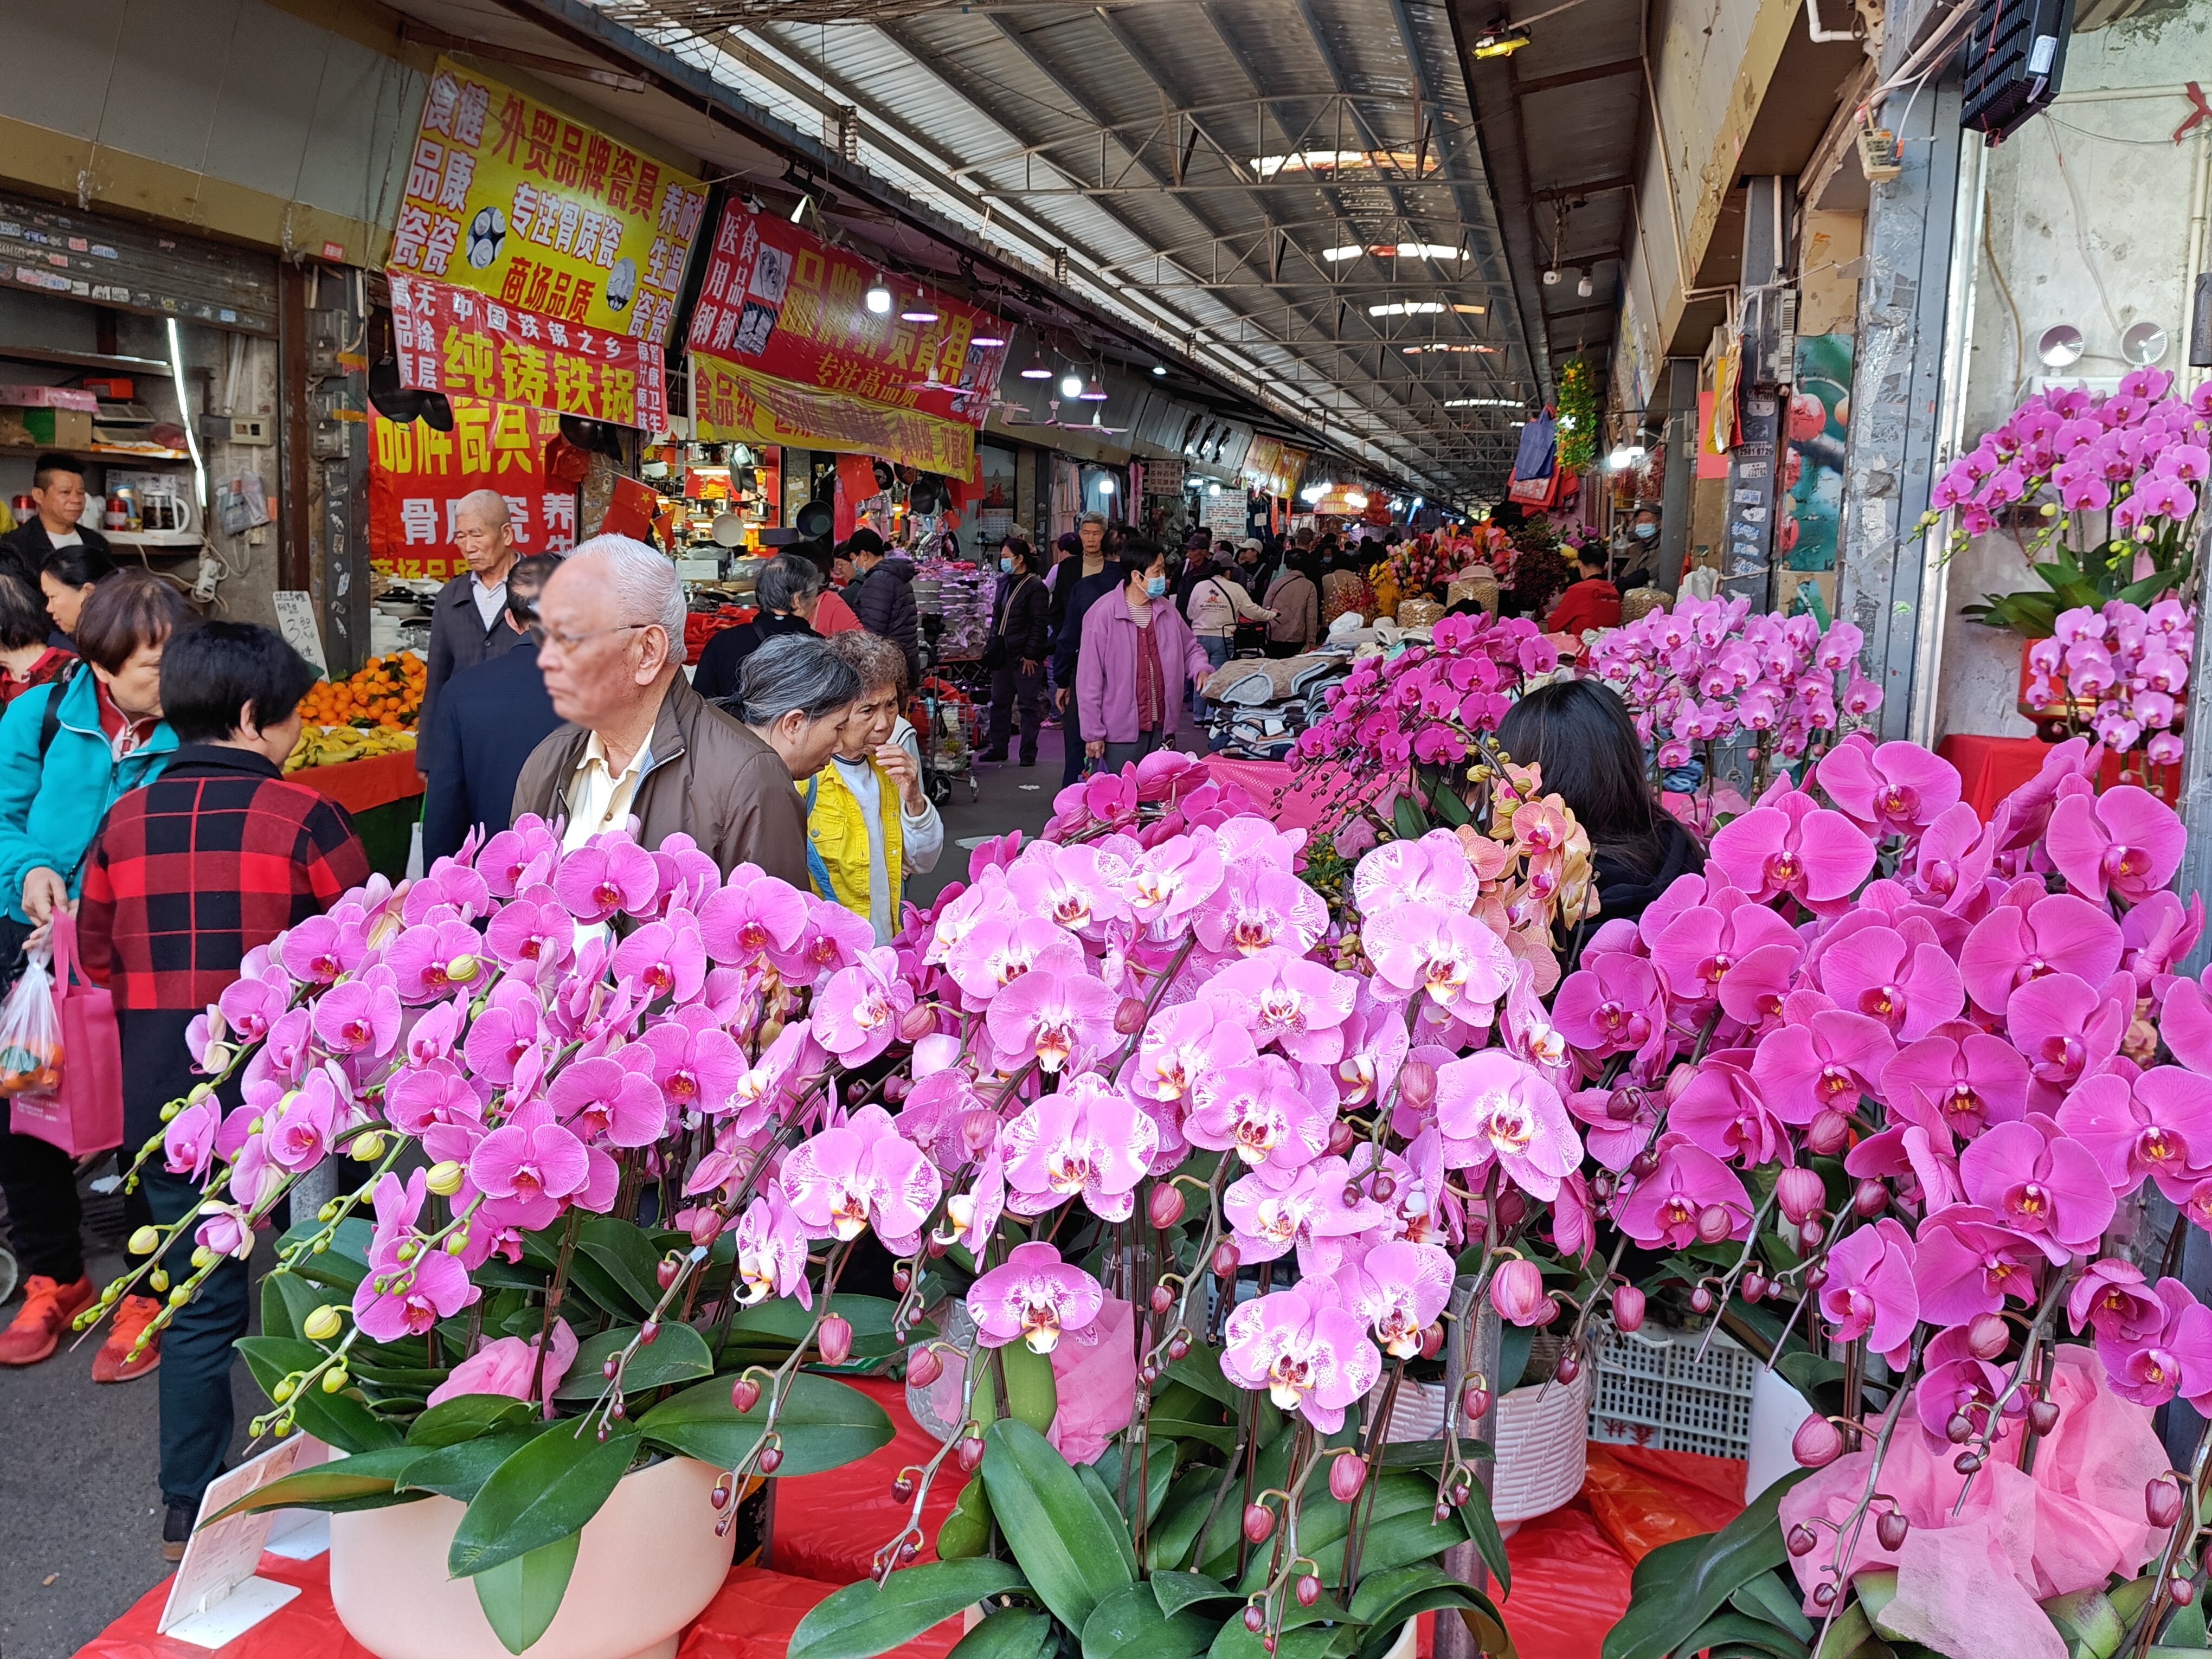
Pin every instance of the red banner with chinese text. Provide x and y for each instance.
(417, 476)
(452, 341)
(780, 302)
(733, 404)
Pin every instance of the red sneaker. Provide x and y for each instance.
(114, 1363)
(44, 1316)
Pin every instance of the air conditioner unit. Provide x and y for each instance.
(2016, 54)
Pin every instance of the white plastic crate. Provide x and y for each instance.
(1654, 1390)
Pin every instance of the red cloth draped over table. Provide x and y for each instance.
(1990, 768)
(374, 780)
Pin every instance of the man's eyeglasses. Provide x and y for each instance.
(541, 636)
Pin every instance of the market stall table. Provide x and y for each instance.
(1990, 768)
(383, 794)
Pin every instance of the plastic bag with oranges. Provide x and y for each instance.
(31, 1033)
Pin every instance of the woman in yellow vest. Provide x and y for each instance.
(868, 820)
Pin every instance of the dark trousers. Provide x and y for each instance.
(1284, 647)
(1119, 754)
(44, 1216)
(198, 1347)
(1014, 691)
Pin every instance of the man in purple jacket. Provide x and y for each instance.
(1137, 650)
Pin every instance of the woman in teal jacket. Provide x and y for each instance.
(66, 751)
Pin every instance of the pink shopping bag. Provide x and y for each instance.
(82, 1112)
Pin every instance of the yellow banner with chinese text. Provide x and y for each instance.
(733, 405)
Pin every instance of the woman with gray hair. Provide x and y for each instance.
(788, 590)
(794, 695)
(868, 819)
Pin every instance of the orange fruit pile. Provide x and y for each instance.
(387, 692)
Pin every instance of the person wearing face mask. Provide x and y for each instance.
(1015, 654)
(869, 821)
(1137, 651)
(1590, 602)
(1639, 548)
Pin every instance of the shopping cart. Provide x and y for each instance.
(947, 722)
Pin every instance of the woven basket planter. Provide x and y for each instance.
(1542, 1446)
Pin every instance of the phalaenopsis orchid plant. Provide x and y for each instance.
(2103, 495)
(2122, 673)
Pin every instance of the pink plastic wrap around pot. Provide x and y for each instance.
(648, 1565)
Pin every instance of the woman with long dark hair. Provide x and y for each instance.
(1580, 736)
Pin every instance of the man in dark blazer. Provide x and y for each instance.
(468, 622)
(490, 718)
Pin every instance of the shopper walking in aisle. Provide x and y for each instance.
(468, 619)
(882, 596)
(59, 500)
(1218, 602)
(1590, 601)
(1081, 586)
(640, 742)
(1016, 654)
(868, 819)
(1136, 653)
(490, 720)
(66, 580)
(67, 750)
(788, 593)
(216, 857)
(27, 656)
(1295, 598)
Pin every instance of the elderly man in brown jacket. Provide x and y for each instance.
(638, 741)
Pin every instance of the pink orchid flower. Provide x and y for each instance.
(2186, 1023)
(433, 959)
(2126, 843)
(1433, 870)
(507, 1366)
(2039, 1183)
(1258, 909)
(2160, 1125)
(2067, 1029)
(694, 1063)
(1791, 845)
(1666, 1204)
(858, 1012)
(519, 858)
(1294, 1005)
(1966, 1262)
(2015, 945)
(298, 1134)
(249, 1006)
(225, 1230)
(1828, 1060)
(858, 1174)
(1897, 789)
(1183, 1043)
(1066, 886)
(751, 919)
(1972, 1078)
(771, 1251)
(1723, 1111)
(1957, 1384)
(1311, 1356)
(1057, 1016)
(610, 876)
(2157, 933)
(606, 1099)
(664, 958)
(534, 1162)
(1463, 966)
(1258, 1111)
(1399, 1290)
(188, 1139)
(1612, 1006)
(2112, 1297)
(1085, 1140)
(1503, 1110)
(532, 933)
(1001, 945)
(2177, 1359)
(357, 1018)
(1910, 987)
(408, 1287)
(1700, 948)
(1270, 1215)
(317, 950)
(1869, 1290)
(1035, 1296)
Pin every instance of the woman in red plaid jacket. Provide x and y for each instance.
(217, 856)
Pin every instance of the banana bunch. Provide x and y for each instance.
(330, 745)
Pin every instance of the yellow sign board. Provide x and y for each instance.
(517, 202)
(731, 403)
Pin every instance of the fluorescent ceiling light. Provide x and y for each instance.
(879, 298)
(1416, 350)
(1334, 254)
(1482, 403)
(1467, 310)
(1407, 308)
(1331, 161)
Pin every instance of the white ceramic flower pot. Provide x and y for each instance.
(1543, 1442)
(1778, 1412)
(648, 1565)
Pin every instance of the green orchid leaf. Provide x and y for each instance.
(546, 1490)
(677, 1353)
(824, 1425)
(459, 1471)
(865, 1619)
(344, 1480)
(1052, 1524)
(521, 1597)
(341, 1420)
(1176, 1590)
(465, 1417)
(1130, 1624)
(1679, 1586)
(1011, 1633)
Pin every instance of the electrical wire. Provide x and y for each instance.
(2080, 232)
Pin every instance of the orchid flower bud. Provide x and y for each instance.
(1346, 1474)
(834, 1339)
(1817, 1443)
(923, 1367)
(1827, 1133)
(1628, 1307)
(1164, 1208)
(1129, 1017)
(1799, 1193)
(917, 1022)
(1417, 1084)
(1516, 1290)
(1987, 1336)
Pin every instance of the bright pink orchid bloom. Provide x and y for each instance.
(858, 1174)
(1258, 1111)
(1086, 1141)
(1256, 909)
(694, 1063)
(2067, 1029)
(664, 958)
(1666, 1204)
(1790, 844)
(1908, 987)
(1001, 945)
(2159, 1126)
(1897, 789)
(2039, 1183)
(1966, 1262)
(408, 1287)
(1501, 1109)
(1270, 1214)
(1311, 1356)
(610, 1099)
(2015, 945)
(1972, 1078)
(188, 1139)
(1613, 1005)
(2186, 1023)
(1827, 1061)
(751, 918)
(2152, 1369)
(1401, 1289)
(1066, 886)
(1723, 1110)
(1292, 1004)
(1055, 1015)
(1956, 1383)
(1463, 966)
(2126, 843)
(1035, 1296)
(432, 960)
(2112, 1297)
(858, 1012)
(534, 1162)
(532, 933)
(1432, 870)
(1700, 948)
(610, 876)
(1948, 862)
(771, 1250)
(1869, 1290)
(507, 1366)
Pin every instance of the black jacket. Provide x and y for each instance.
(720, 663)
(1082, 592)
(459, 640)
(1018, 620)
(490, 719)
(24, 549)
(883, 601)
(1625, 891)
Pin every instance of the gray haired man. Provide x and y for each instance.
(468, 621)
(639, 742)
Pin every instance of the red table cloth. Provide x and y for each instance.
(1990, 768)
(372, 781)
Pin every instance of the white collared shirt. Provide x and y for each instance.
(599, 798)
(490, 601)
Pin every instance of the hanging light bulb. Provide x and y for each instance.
(919, 310)
(1159, 368)
(1037, 370)
(1071, 385)
(1096, 391)
(1551, 276)
(1585, 288)
(1105, 486)
(879, 298)
(988, 339)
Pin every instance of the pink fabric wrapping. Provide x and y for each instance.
(1968, 1584)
